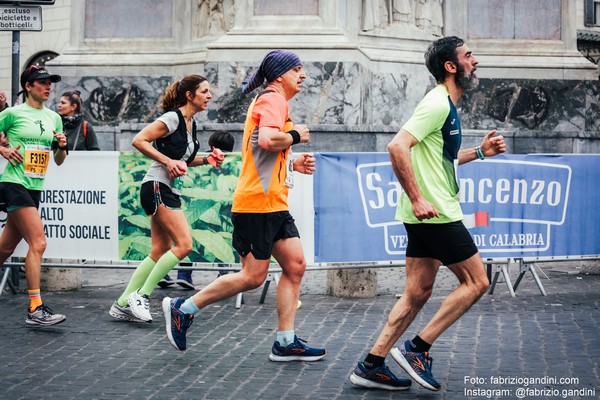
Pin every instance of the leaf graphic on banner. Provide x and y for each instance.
(140, 247)
(141, 221)
(212, 216)
(214, 245)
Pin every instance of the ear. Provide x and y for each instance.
(450, 67)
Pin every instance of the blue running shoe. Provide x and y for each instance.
(176, 321)
(295, 351)
(378, 378)
(417, 365)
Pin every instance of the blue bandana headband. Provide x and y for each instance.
(275, 64)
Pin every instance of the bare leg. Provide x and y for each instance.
(27, 222)
(253, 274)
(420, 276)
(473, 284)
(288, 253)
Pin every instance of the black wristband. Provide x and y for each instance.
(295, 136)
(63, 148)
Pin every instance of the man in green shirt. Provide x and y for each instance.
(425, 155)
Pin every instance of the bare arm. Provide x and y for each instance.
(490, 146)
(272, 139)
(399, 149)
(143, 142)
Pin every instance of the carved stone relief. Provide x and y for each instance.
(395, 16)
(213, 17)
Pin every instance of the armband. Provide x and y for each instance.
(295, 136)
(479, 153)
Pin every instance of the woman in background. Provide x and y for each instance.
(80, 134)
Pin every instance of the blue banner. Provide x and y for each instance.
(514, 206)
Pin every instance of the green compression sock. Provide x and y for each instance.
(137, 279)
(163, 266)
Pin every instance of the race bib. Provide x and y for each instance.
(289, 179)
(36, 160)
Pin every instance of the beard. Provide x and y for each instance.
(465, 81)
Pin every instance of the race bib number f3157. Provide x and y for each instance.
(36, 160)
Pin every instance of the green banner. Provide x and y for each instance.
(206, 202)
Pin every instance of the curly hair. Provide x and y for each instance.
(175, 95)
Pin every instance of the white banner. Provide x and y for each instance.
(79, 207)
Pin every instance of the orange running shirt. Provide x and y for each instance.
(261, 187)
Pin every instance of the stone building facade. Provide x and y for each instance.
(364, 60)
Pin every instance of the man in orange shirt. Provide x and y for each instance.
(262, 224)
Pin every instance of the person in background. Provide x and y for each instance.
(80, 133)
(222, 140)
(425, 155)
(34, 133)
(170, 141)
(262, 224)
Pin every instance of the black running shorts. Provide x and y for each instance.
(13, 196)
(256, 232)
(154, 193)
(450, 243)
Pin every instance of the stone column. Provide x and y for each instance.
(358, 283)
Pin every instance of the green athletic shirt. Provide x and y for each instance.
(31, 128)
(435, 124)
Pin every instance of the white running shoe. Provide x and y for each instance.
(124, 313)
(140, 306)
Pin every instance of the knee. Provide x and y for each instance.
(481, 286)
(418, 297)
(252, 281)
(185, 246)
(38, 246)
(295, 270)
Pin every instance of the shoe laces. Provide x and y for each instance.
(45, 310)
(299, 342)
(146, 301)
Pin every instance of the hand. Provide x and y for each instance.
(61, 138)
(424, 210)
(304, 133)
(215, 158)
(13, 156)
(176, 168)
(305, 164)
(493, 145)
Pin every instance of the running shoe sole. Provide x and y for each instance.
(274, 357)
(399, 358)
(115, 313)
(166, 308)
(360, 381)
(34, 322)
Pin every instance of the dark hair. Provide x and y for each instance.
(175, 95)
(439, 52)
(75, 99)
(222, 140)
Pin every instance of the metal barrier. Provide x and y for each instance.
(495, 267)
